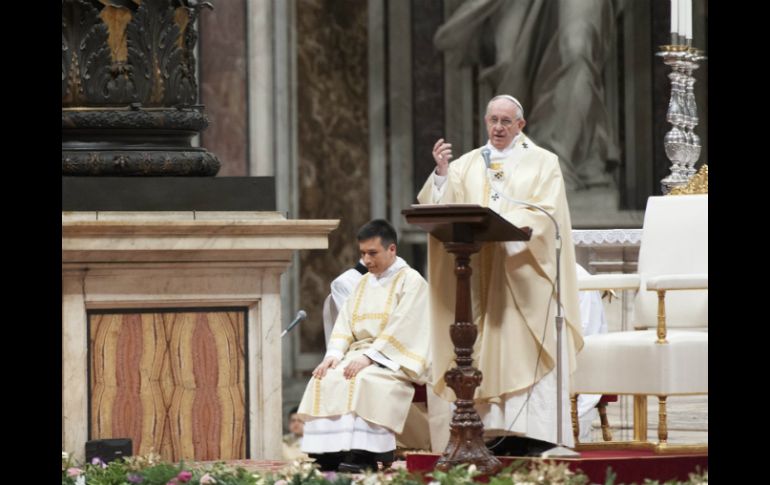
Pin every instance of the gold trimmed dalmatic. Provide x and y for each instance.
(513, 292)
(392, 319)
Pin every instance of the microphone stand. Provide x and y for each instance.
(301, 315)
(560, 451)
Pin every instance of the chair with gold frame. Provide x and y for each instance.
(667, 353)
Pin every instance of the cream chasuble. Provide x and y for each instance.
(513, 284)
(391, 318)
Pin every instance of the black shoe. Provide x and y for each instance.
(385, 457)
(356, 461)
(328, 462)
(518, 446)
(349, 468)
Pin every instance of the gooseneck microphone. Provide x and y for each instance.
(301, 315)
(485, 152)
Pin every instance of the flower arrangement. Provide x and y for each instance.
(151, 470)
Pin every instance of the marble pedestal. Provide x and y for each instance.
(130, 262)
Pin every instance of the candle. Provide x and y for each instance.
(688, 19)
(682, 15)
(674, 15)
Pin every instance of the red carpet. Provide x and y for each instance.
(629, 466)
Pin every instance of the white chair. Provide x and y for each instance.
(667, 354)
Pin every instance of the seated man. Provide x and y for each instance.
(292, 440)
(360, 395)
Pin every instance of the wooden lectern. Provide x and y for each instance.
(463, 228)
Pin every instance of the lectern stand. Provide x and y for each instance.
(463, 229)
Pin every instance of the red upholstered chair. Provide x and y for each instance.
(420, 394)
(416, 435)
(602, 407)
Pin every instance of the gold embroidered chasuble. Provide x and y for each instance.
(392, 319)
(512, 292)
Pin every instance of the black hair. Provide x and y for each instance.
(378, 228)
(293, 410)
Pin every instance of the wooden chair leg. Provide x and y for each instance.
(662, 420)
(640, 417)
(606, 433)
(574, 414)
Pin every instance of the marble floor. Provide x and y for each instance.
(687, 419)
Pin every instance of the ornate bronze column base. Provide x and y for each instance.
(134, 142)
(191, 162)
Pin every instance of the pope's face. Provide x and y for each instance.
(376, 257)
(502, 125)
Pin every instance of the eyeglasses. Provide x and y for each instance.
(505, 122)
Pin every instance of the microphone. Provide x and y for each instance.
(301, 315)
(485, 152)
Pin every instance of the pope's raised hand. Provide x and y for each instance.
(442, 154)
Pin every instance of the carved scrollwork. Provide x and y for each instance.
(135, 163)
(698, 184)
(156, 64)
(152, 43)
(183, 81)
(66, 57)
(85, 52)
(189, 119)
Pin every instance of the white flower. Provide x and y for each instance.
(65, 455)
(80, 480)
(372, 479)
(206, 479)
